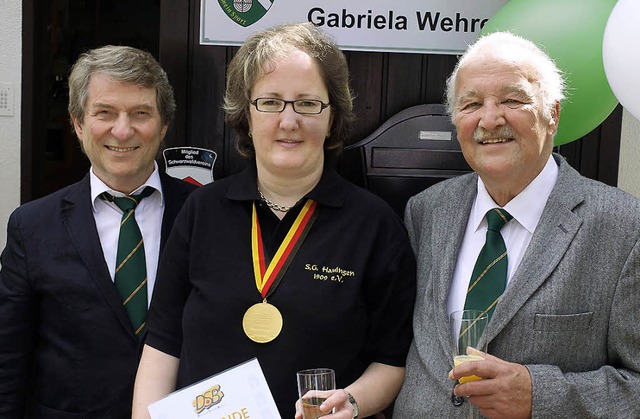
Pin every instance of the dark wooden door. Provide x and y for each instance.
(54, 33)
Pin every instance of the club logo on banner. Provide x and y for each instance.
(191, 164)
(245, 12)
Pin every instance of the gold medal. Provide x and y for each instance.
(262, 322)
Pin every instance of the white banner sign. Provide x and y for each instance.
(422, 26)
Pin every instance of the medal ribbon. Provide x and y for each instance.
(268, 277)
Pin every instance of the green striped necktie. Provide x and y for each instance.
(131, 269)
(489, 277)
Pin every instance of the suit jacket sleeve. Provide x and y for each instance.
(17, 323)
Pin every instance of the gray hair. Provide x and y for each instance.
(542, 69)
(122, 64)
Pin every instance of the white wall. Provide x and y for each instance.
(10, 72)
(629, 170)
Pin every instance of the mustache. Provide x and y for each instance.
(481, 134)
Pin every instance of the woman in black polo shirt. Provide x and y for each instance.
(285, 261)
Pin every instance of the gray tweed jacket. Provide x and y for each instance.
(571, 312)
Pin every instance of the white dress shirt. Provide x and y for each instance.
(526, 209)
(148, 216)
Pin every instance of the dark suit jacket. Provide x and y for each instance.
(570, 313)
(67, 348)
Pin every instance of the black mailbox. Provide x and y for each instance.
(411, 151)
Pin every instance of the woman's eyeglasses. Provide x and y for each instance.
(301, 106)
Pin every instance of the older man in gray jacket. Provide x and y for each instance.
(564, 339)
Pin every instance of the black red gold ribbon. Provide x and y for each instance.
(268, 277)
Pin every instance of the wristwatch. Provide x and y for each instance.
(354, 404)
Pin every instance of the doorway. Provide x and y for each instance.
(55, 33)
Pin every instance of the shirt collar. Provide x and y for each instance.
(527, 206)
(98, 186)
(331, 189)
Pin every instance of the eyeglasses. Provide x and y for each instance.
(301, 106)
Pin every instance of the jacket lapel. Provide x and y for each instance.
(557, 227)
(175, 192)
(449, 225)
(78, 220)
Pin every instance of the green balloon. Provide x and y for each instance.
(571, 32)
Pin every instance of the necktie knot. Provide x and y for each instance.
(497, 218)
(129, 202)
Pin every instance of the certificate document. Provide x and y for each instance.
(240, 392)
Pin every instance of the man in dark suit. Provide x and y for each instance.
(564, 338)
(68, 347)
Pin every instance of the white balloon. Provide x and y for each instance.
(621, 54)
